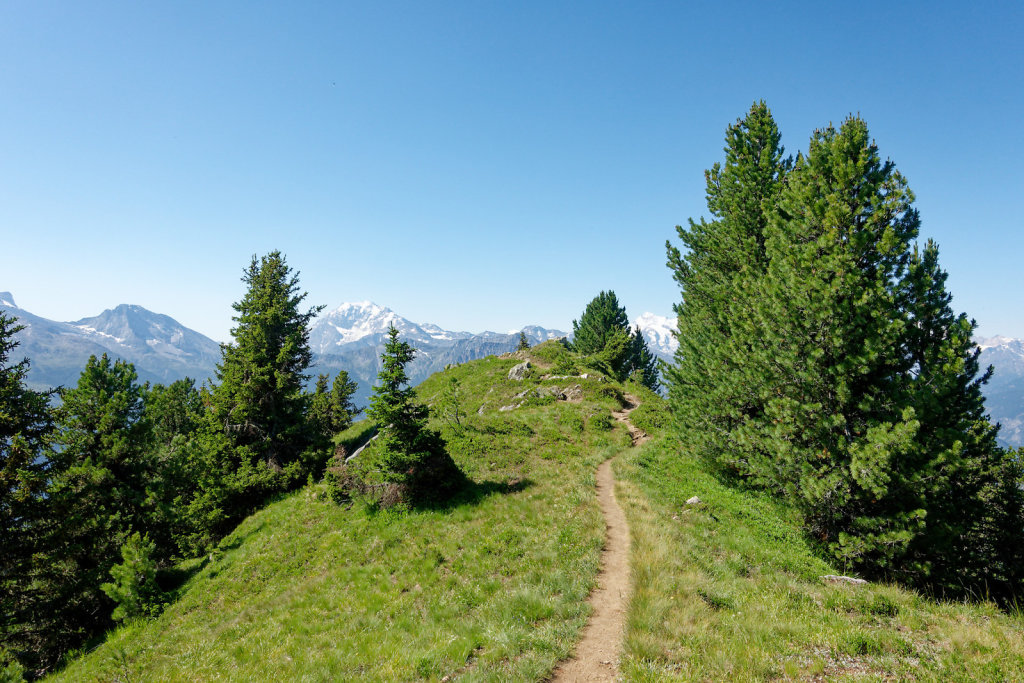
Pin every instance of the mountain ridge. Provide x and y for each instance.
(350, 336)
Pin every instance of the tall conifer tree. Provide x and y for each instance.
(101, 489)
(259, 401)
(256, 440)
(831, 325)
(718, 270)
(26, 429)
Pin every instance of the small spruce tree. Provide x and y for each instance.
(408, 453)
(343, 409)
(134, 589)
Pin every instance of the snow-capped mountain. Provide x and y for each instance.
(351, 338)
(367, 323)
(1004, 394)
(161, 349)
(658, 332)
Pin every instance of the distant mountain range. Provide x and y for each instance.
(1004, 394)
(351, 337)
(161, 349)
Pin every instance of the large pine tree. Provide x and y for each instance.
(820, 358)
(710, 389)
(26, 429)
(256, 440)
(259, 400)
(830, 352)
(101, 489)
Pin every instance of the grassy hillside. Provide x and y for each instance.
(490, 587)
(729, 589)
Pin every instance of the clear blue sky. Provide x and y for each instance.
(478, 165)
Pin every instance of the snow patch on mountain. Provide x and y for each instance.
(659, 333)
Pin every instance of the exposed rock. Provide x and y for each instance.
(505, 409)
(522, 393)
(481, 411)
(832, 578)
(518, 373)
(573, 393)
(693, 501)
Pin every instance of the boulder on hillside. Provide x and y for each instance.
(518, 373)
(573, 393)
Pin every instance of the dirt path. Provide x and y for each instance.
(597, 654)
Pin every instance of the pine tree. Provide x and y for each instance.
(956, 471)
(343, 410)
(101, 489)
(26, 428)
(601, 317)
(393, 406)
(259, 402)
(134, 589)
(603, 333)
(831, 325)
(173, 413)
(524, 343)
(408, 452)
(710, 389)
(319, 416)
(642, 364)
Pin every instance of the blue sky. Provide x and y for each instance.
(478, 165)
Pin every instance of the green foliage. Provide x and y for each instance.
(134, 588)
(104, 482)
(319, 415)
(603, 335)
(710, 389)
(256, 440)
(343, 410)
(26, 428)
(450, 405)
(642, 366)
(173, 414)
(602, 317)
(407, 452)
(11, 671)
(524, 343)
(819, 357)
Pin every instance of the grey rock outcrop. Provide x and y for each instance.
(518, 373)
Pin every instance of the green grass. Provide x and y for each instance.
(731, 590)
(492, 586)
(489, 587)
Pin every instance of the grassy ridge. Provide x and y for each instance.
(730, 590)
(489, 587)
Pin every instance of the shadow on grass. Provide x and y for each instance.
(472, 493)
(172, 580)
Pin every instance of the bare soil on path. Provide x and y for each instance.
(597, 654)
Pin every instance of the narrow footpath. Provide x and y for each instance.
(597, 654)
